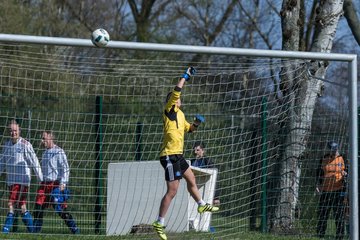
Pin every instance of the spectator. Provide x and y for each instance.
(53, 189)
(331, 185)
(16, 160)
(200, 159)
(203, 161)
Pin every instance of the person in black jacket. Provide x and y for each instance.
(200, 159)
(203, 161)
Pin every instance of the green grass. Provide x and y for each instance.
(225, 228)
(188, 236)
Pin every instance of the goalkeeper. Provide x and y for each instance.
(53, 190)
(171, 155)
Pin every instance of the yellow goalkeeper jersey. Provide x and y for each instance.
(175, 126)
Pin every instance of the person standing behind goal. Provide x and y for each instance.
(53, 189)
(331, 186)
(202, 161)
(17, 157)
(171, 155)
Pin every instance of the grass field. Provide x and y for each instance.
(55, 229)
(188, 236)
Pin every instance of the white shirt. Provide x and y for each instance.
(55, 166)
(16, 160)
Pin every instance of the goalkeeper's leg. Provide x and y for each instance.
(158, 225)
(194, 192)
(159, 228)
(207, 208)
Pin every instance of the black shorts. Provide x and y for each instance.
(174, 165)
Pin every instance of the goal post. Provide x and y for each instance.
(60, 81)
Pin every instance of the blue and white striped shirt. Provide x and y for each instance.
(55, 166)
(16, 160)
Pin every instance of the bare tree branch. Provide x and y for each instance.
(160, 10)
(77, 15)
(142, 18)
(134, 8)
(265, 37)
(221, 23)
(207, 36)
(271, 5)
(310, 26)
(189, 17)
(352, 19)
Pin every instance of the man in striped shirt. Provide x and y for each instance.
(53, 190)
(17, 158)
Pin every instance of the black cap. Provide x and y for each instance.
(333, 146)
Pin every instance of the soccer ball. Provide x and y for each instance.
(100, 37)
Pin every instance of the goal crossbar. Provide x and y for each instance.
(178, 48)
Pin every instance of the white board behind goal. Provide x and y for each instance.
(134, 192)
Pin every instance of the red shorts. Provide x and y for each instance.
(18, 194)
(43, 194)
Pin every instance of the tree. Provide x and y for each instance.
(303, 96)
(145, 16)
(352, 19)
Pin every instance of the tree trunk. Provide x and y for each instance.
(142, 18)
(301, 97)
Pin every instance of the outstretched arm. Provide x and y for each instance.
(181, 83)
(173, 96)
(186, 76)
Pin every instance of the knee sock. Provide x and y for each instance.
(38, 218)
(8, 222)
(28, 221)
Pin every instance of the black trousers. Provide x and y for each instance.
(331, 201)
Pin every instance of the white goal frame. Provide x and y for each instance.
(351, 59)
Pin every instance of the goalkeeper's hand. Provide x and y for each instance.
(188, 73)
(198, 120)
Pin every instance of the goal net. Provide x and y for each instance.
(264, 135)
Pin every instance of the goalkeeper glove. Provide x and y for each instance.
(188, 73)
(198, 119)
